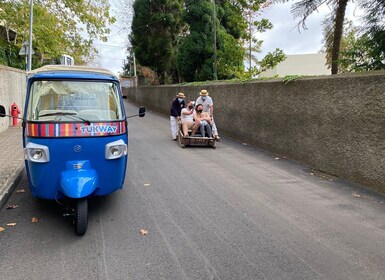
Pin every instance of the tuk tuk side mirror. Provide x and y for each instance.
(2, 111)
(3, 114)
(142, 111)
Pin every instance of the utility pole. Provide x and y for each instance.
(215, 42)
(136, 78)
(30, 35)
(250, 39)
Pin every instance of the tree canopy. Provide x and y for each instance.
(304, 8)
(59, 27)
(196, 56)
(155, 28)
(203, 38)
(362, 48)
(348, 47)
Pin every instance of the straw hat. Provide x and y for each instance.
(203, 92)
(181, 95)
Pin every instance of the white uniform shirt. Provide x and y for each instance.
(186, 118)
(206, 104)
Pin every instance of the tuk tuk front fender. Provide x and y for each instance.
(78, 183)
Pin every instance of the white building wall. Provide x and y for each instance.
(299, 64)
(12, 89)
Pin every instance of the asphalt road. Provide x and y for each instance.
(231, 213)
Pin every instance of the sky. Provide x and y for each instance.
(113, 52)
(284, 35)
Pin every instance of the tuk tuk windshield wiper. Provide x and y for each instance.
(70, 114)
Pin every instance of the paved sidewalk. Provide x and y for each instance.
(11, 162)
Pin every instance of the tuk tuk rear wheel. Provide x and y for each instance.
(81, 216)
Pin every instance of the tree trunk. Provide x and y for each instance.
(338, 30)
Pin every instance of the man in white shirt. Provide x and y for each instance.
(208, 106)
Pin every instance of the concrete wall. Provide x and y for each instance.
(334, 123)
(12, 89)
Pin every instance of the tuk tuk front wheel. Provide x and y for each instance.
(81, 216)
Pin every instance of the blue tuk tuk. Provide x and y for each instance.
(74, 136)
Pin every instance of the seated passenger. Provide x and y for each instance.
(204, 120)
(188, 120)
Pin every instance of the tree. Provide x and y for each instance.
(230, 56)
(195, 57)
(252, 44)
(241, 20)
(271, 60)
(367, 53)
(200, 37)
(60, 26)
(374, 14)
(124, 15)
(224, 27)
(156, 27)
(304, 8)
(362, 48)
(370, 48)
(348, 40)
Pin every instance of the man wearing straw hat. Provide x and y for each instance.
(176, 107)
(208, 106)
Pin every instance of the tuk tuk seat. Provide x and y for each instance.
(91, 114)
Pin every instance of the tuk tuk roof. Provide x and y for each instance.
(65, 71)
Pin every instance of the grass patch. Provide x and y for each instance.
(291, 78)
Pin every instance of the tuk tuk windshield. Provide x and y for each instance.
(64, 101)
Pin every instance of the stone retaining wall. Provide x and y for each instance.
(334, 123)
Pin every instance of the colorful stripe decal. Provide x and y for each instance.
(75, 129)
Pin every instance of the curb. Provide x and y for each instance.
(11, 184)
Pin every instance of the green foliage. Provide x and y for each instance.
(348, 40)
(189, 43)
(198, 15)
(291, 78)
(374, 14)
(304, 8)
(362, 49)
(367, 53)
(230, 56)
(155, 28)
(195, 58)
(263, 25)
(9, 55)
(252, 45)
(242, 80)
(139, 37)
(272, 59)
(231, 18)
(57, 27)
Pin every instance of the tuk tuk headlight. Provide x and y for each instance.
(36, 153)
(116, 149)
